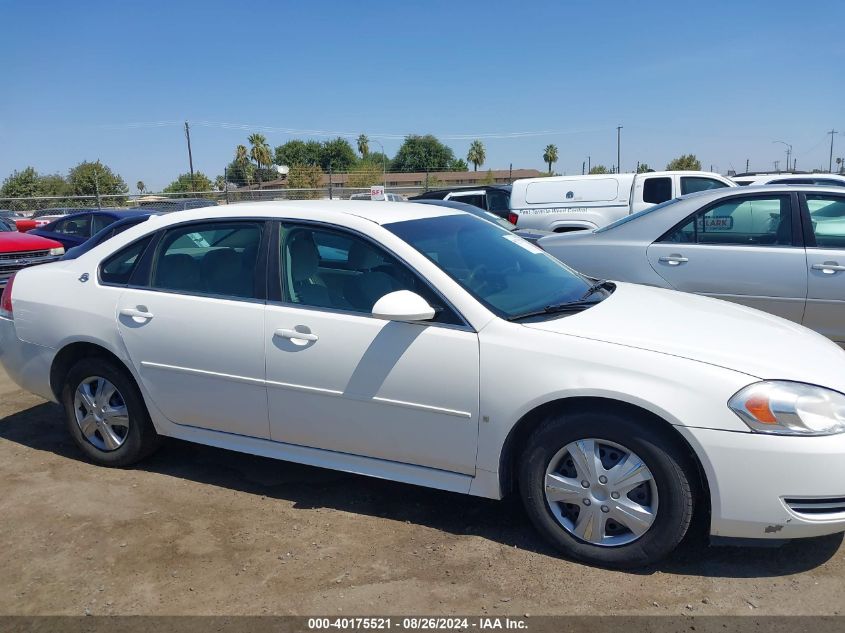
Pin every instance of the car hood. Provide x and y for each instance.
(709, 331)
(16, 242)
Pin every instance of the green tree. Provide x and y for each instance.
(489, 179)
(306, 177)
(363, 145)
(87, 178)
(550, 156)
(53, 185)
(220, 183)
(184, 184)
(685, 162)
(599, 169)
(22, 184)
(259, 150)
(140, 186)
(476, 154)
(337, 155)
(421, 153)
(298, 152)
(240, 171)
(458, 164)
(644, 168)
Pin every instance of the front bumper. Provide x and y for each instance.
(27, 364)
(772, 486)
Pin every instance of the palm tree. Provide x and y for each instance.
(140, 186)
(260, 151)
(363, 145)
(476, 154)
(550, 156)
(242, 162)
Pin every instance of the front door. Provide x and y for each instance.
(744, 249)
(825, 313)
(194, 327)
(341, 380)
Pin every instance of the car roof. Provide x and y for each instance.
(379, 211)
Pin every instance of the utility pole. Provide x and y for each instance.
(583, 162)
(330, 182)
(777, 166)
(589, 165)
(830, 165)
(510, 173)
(190, 156)
(618, 149)
(747, 161)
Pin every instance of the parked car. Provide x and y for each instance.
(829, 180)
(492, 198)
(577, 203)
(780, 249)
(10, 214)
(19, 250)
(76, 228)
(425, 345)
(532, 235)
(388, 197)
(107, 233)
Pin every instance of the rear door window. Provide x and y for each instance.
(827, 217)
(218, 258)
(75, 226)
(117, 269)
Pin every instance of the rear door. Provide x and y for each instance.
(649, 191)
(824, 218)
(475, 198)
(192, 320)
(747, 249)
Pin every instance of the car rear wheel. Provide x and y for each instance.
(607, 489)
(106, 415)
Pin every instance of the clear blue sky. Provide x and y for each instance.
(719, 79)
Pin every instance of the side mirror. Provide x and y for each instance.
(403, 305)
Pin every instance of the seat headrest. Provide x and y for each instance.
(363, 257)
(304, 258)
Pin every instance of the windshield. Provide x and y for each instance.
(509, 275)
(636, 215)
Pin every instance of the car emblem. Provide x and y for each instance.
(569, 195)
(23, 262)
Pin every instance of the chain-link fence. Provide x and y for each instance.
(62, 205)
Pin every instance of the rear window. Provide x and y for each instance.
(657, 190)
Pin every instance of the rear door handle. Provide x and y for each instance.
(673, 260)
(136, 314)
(828, 268)
(294, 334)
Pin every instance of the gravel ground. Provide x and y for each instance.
(197, 530)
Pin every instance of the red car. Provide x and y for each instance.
(19, 250)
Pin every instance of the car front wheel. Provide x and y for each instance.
(607, 489)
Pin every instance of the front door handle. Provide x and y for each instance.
(136, 314)
(294, 334)
(829, 268)
(673, 260)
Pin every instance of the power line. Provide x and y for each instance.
(830, 165)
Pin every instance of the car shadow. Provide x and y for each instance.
(42, 428)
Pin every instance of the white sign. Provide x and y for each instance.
(377, 192)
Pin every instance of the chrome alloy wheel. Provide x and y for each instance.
(601, 492)
(101, 413)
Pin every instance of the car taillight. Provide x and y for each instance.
(6, 299)
(512, 217)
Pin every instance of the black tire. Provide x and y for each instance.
(664, 456)
(141, 438)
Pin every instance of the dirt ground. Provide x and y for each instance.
(197, 530)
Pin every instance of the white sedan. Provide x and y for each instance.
(422, 344)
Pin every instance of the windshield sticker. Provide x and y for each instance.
(715, 224)
(534, 250)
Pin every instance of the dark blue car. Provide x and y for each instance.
(109, 232)
(77, 228)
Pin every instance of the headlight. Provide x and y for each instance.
(790, 408)
(57, 251)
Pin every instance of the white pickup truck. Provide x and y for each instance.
(576, 203)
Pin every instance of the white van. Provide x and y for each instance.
(575, 203)
(827, 180)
